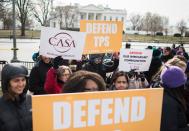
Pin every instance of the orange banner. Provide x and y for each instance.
(130, 110)
(102, 36)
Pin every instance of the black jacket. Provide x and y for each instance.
(38, 76)
(155, 65)
(15, 115)
(15, 110)
(173, 114)
(101, 69)
(166, 58)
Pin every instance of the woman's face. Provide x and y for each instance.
(166, 52)
(45, 59)
(181, 49)
(65, 76)
(91, 86)
(17, 85)
(121, 83)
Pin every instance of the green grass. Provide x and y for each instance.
(29, 34)
(126, 37)
(160, 39)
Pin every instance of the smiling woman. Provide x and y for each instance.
(15, 104)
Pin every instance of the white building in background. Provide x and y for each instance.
(89, 12)
(1, 25)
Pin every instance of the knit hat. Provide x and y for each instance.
(172, 77)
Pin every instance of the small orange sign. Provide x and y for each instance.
(102, 36)
(130, 110)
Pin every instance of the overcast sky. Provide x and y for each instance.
(175, 10)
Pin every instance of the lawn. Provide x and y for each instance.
(29, 34)
(160, 39)
(126, 37)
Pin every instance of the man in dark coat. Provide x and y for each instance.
(38, 75)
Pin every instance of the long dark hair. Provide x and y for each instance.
(77, 82)
(118, 74)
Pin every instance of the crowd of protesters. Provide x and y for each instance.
(169, 69)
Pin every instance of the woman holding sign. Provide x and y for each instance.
(15, 105)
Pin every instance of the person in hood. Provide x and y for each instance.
(174, 106)
(15, 105)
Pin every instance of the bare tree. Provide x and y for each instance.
(23, 12)
(6, 15)
(140, 25)
(135, 20)
(181, 25)
(147, 22)
(58, 14)
(156, 23)
(165, 24)
(41, 10)
(1, 9)
(66, 15)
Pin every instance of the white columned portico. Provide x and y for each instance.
(94, 16)
(87, 16)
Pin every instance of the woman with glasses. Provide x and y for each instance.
(56, 79)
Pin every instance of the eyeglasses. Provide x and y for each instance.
(65, 75)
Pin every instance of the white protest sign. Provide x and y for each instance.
(55, 42)
(135, 59)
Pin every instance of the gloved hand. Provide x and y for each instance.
(58, 61)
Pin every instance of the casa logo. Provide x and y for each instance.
(62, 42)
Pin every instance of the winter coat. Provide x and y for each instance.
(155, 65)
(15, 115)
(100, 69)
(186, 96)
(52, 86)
(37, 77)
(15, 111)
(165, 58)
(173, 114)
